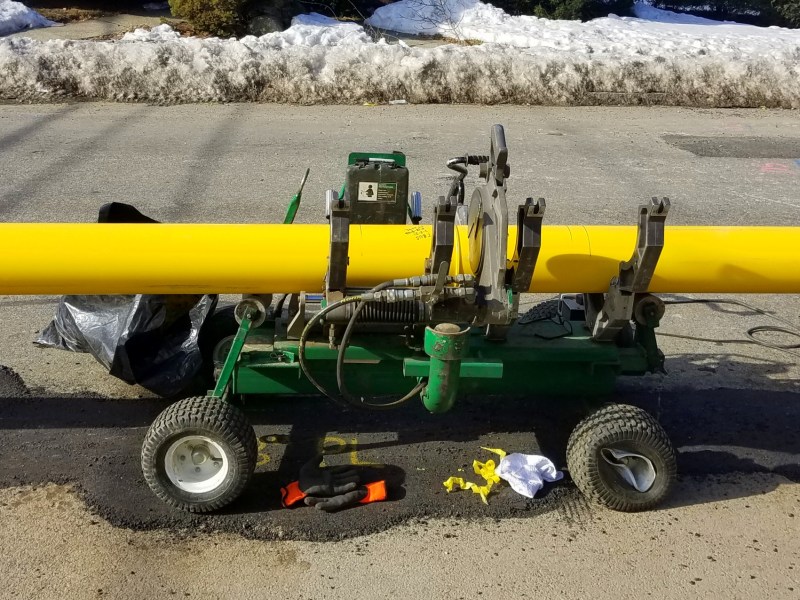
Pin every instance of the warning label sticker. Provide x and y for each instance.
(372, 191)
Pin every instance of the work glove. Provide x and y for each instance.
(330, 488)
(371, 492)
(338, 502)
(316, 480)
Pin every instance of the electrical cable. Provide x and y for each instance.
(751, 333)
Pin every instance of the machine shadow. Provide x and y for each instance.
(717, 432)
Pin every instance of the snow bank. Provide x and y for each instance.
(318, 60)
(653, 32)
(306, 30)
(648, 12)
(15, 16)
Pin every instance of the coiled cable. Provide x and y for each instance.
(792, 329)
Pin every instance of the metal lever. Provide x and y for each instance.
(499, 154)
(291, 211)
(416, 208)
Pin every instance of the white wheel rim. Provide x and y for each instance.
(196, 464)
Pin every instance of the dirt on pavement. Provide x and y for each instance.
(52, 547)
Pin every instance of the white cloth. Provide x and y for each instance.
(526, 473)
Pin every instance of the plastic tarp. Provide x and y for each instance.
(150, 340)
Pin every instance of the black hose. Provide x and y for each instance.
(750, 333)
(301, 348)
(343, 345)
(457, 185)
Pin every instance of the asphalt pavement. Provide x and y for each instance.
(93, 444)
(730, 406)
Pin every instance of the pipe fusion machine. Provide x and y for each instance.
(437, 335)
(376, 310)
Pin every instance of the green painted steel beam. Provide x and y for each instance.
(233, 356)
(532, 362)
(470, 368)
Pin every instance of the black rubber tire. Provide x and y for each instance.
(542, 311)
(622, 427)
(217, 327)
(220, 421)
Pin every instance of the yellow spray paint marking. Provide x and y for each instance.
(332, 444)
(263, 457)
(485, 470)
(354, 460)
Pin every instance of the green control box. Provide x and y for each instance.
(376, 187)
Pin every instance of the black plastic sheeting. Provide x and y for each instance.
(150, 340)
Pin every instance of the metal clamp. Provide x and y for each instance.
(339, 214)
(444, 232)
(529, 242)
(607, 315)
(487, 235)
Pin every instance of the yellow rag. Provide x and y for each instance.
(483, 469)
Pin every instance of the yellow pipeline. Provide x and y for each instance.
(170, 259)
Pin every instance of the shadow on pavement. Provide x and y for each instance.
(94, 443)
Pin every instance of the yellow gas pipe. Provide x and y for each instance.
(40, 258)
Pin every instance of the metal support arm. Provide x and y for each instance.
(607, 315)
(339, 215)
(444, 216)
(529, 242)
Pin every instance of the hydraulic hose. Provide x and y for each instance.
(301, 347)
(791, 330)
(345, 399)
(343, 345)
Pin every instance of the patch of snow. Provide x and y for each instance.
(313, 30)
(15, 16)
(525, 60)
(642, 10)
(306, 30)
(159, 33)
(653, 32)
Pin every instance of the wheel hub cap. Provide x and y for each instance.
(636, 470)
(196, 464)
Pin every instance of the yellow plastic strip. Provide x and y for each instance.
(482, 469)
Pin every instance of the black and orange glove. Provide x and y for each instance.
(371, 492)
(330, 488)
(316, 480)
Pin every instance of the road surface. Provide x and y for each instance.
(77, 520)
